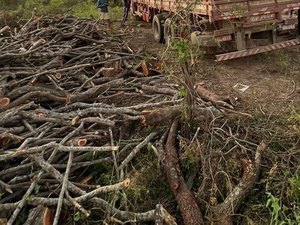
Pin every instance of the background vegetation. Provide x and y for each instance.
(80, 8)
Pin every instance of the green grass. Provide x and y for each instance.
(116, 13)
(82, 9)
(280, 60)
(85, 10)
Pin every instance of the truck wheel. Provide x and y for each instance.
(158, 29)
(169, 31)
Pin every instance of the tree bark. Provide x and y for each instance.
(223, 213)
(185, 199)
(160, 116)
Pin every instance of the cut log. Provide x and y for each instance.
(66, 90)
(37, 216)
(184, 197)
(160, 116)
(207, 95)
(4, 102)
(223, 213)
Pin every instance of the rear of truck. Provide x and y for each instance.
(254, 26)
(234, 28)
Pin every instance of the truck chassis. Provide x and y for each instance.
(231, 29)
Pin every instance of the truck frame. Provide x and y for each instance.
(229, 28)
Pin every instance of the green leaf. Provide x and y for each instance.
(77, 216)
(182, 92)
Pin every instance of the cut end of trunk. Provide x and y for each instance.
(81, 142)
(160, 116)
(74, 120)
(58, 76)
(115, 148)
(126, 182)
(68, 99)
(4, 102)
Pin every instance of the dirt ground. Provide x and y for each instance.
(272, 79)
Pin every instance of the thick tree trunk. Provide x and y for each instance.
(185, 199)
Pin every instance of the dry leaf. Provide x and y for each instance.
(48, 217)
(145, 68)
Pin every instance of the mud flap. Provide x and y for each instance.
(254, 51)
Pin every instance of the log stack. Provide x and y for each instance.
(71, 94)
(74, 95)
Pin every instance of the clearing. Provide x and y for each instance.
(273, 78)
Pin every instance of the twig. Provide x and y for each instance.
(148, 216)
(63, 188)
(136, 150)
(58, 147)
(33, 184)
(24, 199)
(104, 189)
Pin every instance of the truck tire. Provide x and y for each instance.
(158, 29)
(169, 31)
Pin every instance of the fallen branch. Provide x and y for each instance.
(63, 189)
(136, 150)
(162, 216)
(59, 147)
(228, 102)
(184, 197)
(223, 212)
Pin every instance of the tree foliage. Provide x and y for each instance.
(23, 8)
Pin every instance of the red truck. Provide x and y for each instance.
(234, 28)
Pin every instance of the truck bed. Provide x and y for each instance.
(253, 10)
(236, 28)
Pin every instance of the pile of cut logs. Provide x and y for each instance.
(74, 95)
(71, 95)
